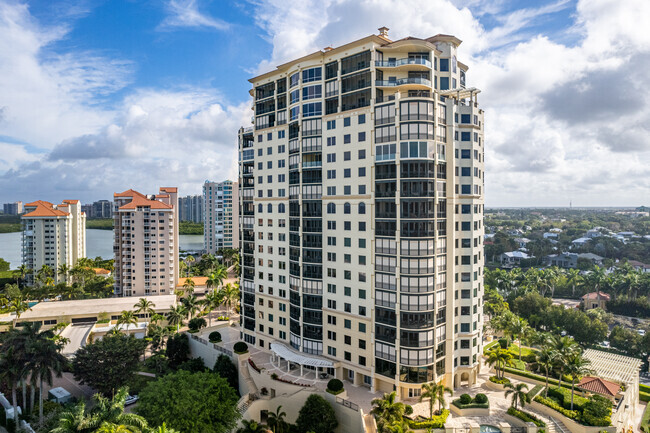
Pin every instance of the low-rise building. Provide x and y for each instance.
(513, 258)
(641, 267)
(563, 260)
(595, 300)
(580, 242)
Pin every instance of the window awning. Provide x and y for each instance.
(284, 352)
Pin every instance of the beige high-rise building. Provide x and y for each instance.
(146, 242)
(220, 215)
(361, 192)
(53, 235)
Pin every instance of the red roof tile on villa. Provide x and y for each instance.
(600, 386)
(145, 202)
(128, 193)
(594, 295)
(44, 209)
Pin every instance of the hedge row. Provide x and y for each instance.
(438, 421)
(644, 396)
(645, 422)
(499, 380)
(571, 414)
(564, 395)
(533, 392)
(526, 416)
(644, 388)
(538, 377)
(471, 405)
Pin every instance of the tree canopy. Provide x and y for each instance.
(190, 402)
(316, 416)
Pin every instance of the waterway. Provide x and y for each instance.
(98, 243)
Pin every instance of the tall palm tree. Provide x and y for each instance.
(573, 279)
(108, 427)
(230, 295)
(545, 359)
(126, 318)
(576, 366)
(276, 420)
(63, 271)
(192, 305)
(563, 347)
(435, 392)
(211, 301)
(176, 315)
(46, 358)
(22, 272)
(518, 393)
(145, 306)
(188, 286)
(500, 358)
(517, 330)
(388, 410)
(189, 260)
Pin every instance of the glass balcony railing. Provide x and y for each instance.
(400, 62)
(403, 81)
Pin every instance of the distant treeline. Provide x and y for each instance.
(185, 227)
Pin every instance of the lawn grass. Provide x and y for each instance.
(514, 348)
(519, 365)
(645, 422)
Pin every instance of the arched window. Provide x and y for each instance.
(269, 208)
(362, 208)
(346, 208)
(260, 208)
(331, 208)
(281, 208)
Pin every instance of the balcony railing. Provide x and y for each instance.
(403, 81)
(402, 62)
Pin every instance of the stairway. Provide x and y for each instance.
(556, 426)
(252, 387)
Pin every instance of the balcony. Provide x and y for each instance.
(413, 83)
(413, 63)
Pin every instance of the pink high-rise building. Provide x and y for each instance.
(146, 242)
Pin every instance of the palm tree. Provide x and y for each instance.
(563, 347)
(104, 411)
(435, 392)
(573, 279)
(189, 260)
(108, 427)
(236, 260)
(176, 315)
(387, 410)
(211, 301)
(188, 285)
(545, 359)
(145, 306)
(517, 330)
(250, 426)
(164, 429)
(63, 271)
(576, 366)
(192, 305)
(500, 358)
(127, 318)
(230, 295)
(276, 420)
(22, 272)
(518, 393)
(46, 358)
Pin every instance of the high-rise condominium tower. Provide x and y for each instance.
(362, 214)
(190, 208)
(53, 235)
(146, 242)
(220, 215)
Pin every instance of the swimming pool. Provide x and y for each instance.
(486, 428)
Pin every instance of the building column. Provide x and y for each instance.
(288, 366)
(300, 370)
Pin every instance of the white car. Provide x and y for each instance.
(641, 332)
(130, 399)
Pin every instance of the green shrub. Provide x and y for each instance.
(214, 337)
(597, 411)
(644, 396)
(572, 414)
(470, 405)
(335, 385)
(438, 421)
(526, 417)
(564, 395)
(197, 323)
(503, 342)
(481, 398)
(240, 347)
(645, 422)
(499, 380)
(465, 399)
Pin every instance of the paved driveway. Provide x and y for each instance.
(77, 335)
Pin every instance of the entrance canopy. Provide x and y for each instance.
(284, 352)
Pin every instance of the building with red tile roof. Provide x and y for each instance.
(53, 235)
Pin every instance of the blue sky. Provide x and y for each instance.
(101, 96)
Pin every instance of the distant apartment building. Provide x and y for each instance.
(221, 215)
(361, 191)
(103, 209)
(190, 208)
(15, 208)
(145, 242)
(53, 235)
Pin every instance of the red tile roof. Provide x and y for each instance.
(594, 295)
(101, 271)
(44, 209)
(140, 200)
(128, 193)
(37, 202)
(168, 189)
(600, 386)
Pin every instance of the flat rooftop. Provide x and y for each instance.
(95, 306)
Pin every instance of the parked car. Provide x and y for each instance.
(130, 399)
(641, 332)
